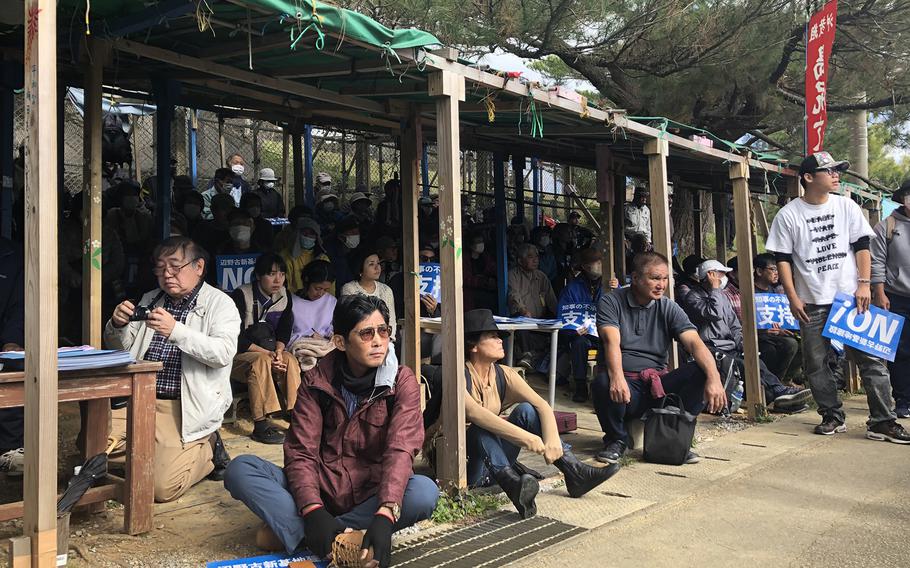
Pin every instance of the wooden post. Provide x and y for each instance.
(299, 185)
(40, 476)
(20, 552)
(618, 219)
(91, 197)
(502, 245)
(449, 89)
(742, 203)
(719, 202)
(606, 196)
(657, 151)
(285, 159)
(411, 142)
(698, 244)
(518, 168)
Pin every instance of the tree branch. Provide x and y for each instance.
(894, 100)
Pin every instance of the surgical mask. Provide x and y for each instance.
(192, 211)
(594, 270)
(238, 169)
(478, 248)
(240, 233)
(352, 241)
(544, 241)
(254, 211)
(307, 242)
(268, 184)
(328, 206)
(130, 203)
(723, 282)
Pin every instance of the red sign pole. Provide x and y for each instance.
(819, 40)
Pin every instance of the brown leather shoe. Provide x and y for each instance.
(267, 540)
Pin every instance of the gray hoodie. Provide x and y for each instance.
(891, 261)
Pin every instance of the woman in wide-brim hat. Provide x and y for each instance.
(493, 444)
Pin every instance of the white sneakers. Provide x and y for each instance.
(13, 462)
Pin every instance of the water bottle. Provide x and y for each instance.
(736, 398)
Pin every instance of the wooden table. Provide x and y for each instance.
(96, 387)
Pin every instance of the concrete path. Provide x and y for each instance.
(774, 495)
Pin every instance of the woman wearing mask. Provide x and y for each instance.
(263, 233)
(240, 229)
(479, 269)
(305, 247)
(272, 202)
(541, 236)
(367, 270)
(313, 307)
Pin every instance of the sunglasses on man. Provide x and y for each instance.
(368, 333)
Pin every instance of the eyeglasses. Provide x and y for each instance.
(426, 259)
(171, 270)
(830, 171)
(368, 333)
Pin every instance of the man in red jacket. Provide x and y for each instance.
(355, 430)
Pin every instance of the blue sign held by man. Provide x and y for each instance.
(773, 311)
(429, 280)
(579, 316)
(234, 270)
(874, 331)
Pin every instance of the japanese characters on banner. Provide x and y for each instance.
(773, 310)
(429, 280)
(875, 331)
(820, 38)
(269, 561)
(579, 316)
(234, 270)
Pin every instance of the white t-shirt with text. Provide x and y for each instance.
(819, 237)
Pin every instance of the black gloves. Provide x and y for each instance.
(379, 536)
(319, 531)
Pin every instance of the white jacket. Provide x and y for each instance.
(208, 341)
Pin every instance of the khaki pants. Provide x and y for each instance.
(255, 369)
(178, 466)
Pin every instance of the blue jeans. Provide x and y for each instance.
(688, 381)
(900, 368)
(262, 486)
(872, 371)
(484, 446)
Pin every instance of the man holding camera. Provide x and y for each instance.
(191, 328)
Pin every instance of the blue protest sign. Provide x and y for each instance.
(579, 316)
(875, 331)
(234, 270)
(268, 561)
(429, 280)
(773, 309)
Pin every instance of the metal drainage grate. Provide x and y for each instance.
(493, 542)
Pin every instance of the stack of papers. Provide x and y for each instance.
(72, 359)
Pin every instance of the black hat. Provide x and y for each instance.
(821, 161)
(479, 321)
(902, 191)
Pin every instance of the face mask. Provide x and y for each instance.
(478, 248)
(192, 211)
(351, 241)
(237, 169)
(240, 233)
(254, 211)
(544, 241)
(328, 206)
(130, 203)
(723, 282)
(595, 270)
(307, 242)
(269, 184)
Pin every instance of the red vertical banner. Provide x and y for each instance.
(820, 38)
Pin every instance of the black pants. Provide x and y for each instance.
(778, 352)
(12, 425)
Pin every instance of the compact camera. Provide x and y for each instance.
(141, 313)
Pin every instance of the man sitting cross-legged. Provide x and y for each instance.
(637, 325)
(355, 430)
(493, 443)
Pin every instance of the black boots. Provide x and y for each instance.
(520, 489)
(220, 458)
(581, 477)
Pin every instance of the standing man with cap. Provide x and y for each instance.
(638, 214)
(891, 287)
(272, 202)
(821, 244)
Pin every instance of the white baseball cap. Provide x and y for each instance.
(707, 266)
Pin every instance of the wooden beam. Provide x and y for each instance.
(229, 72)
(606, 196)
(657, 151)
(698, 245)
(91, 197)
(449, 90)
(40, 477)
(20, 552)
(721, 210)
(742, 203)
(411, 143)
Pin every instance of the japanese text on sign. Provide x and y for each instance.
(579, 316)
(773, 310)
(235, 270)
(875, 331)
(429, 280)
(819, 42)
